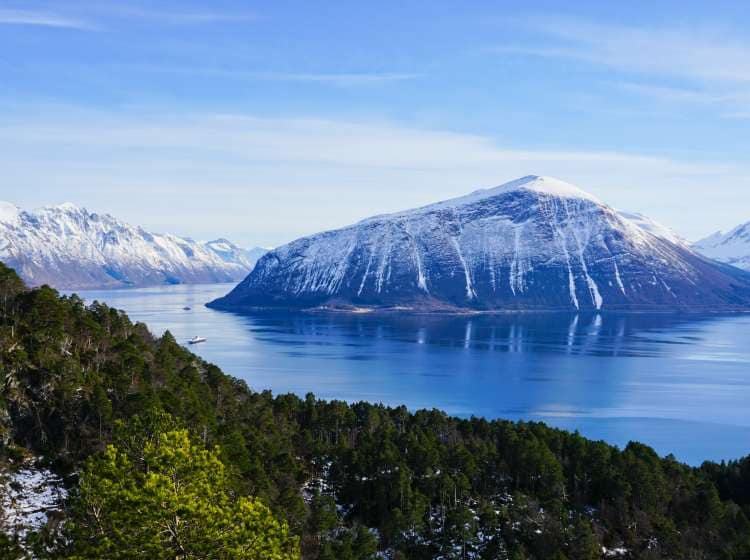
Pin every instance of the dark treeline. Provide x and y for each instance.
(354, 479)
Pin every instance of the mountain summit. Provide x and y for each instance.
(533, 243)
(69, 247)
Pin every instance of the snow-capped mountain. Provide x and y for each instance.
(533, 243)
(70, 247)
(732, 248)
(231, 253)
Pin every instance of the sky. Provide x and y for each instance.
(266, 121)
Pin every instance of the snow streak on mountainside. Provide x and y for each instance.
(533, 243)
(69, 247)
(732, 248)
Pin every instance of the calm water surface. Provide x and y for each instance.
(680, 384)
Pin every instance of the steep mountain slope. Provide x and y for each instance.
(732, 248)
(70, 247)
(533, 243)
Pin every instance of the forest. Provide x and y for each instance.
(163, 455)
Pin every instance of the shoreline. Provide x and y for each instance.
(447, 311)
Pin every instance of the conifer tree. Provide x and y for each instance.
(175, 505)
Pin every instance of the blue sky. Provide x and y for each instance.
(262, 122)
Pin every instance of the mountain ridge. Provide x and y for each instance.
(732, 247)
(70, 247)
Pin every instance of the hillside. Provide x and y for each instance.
(349, 479)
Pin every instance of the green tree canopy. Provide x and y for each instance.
(173, 504)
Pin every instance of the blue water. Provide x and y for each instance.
(678, 383)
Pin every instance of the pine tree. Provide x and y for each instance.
(176, 505)
(584, 544)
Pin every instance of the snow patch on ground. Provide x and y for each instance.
(27, 497)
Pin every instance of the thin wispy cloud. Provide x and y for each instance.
(730, 104)
(178, 16)
(352, 79)
(356, 168)
(42, 19)
(674, 94)
(337, 79)
(714, 63)
(689, 52)
(324, 141)
(101, 16)
(202, 17)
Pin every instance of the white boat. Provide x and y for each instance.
(196, 340)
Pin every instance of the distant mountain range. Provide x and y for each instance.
(71, 248)
(732, 247)
(533, 243)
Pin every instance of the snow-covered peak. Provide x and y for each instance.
(64, 208)
(742, 231)
(547, 186)
(9, 213)
(723, 244)
(732, 247)
(222, 245)
(67, 206)
(713, 239)
(229, 252)
(550, 186)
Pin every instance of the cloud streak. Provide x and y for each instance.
(337, 79)
(177, 16)
(728, 103)
(690, 52)
(350, 79)
(284, 177)
(322, 141)
(714, 63)
(42, 19)
(103, 13)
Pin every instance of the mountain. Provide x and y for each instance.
(732, 248)
(69, 247)
(231, 253)
(533, 243)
